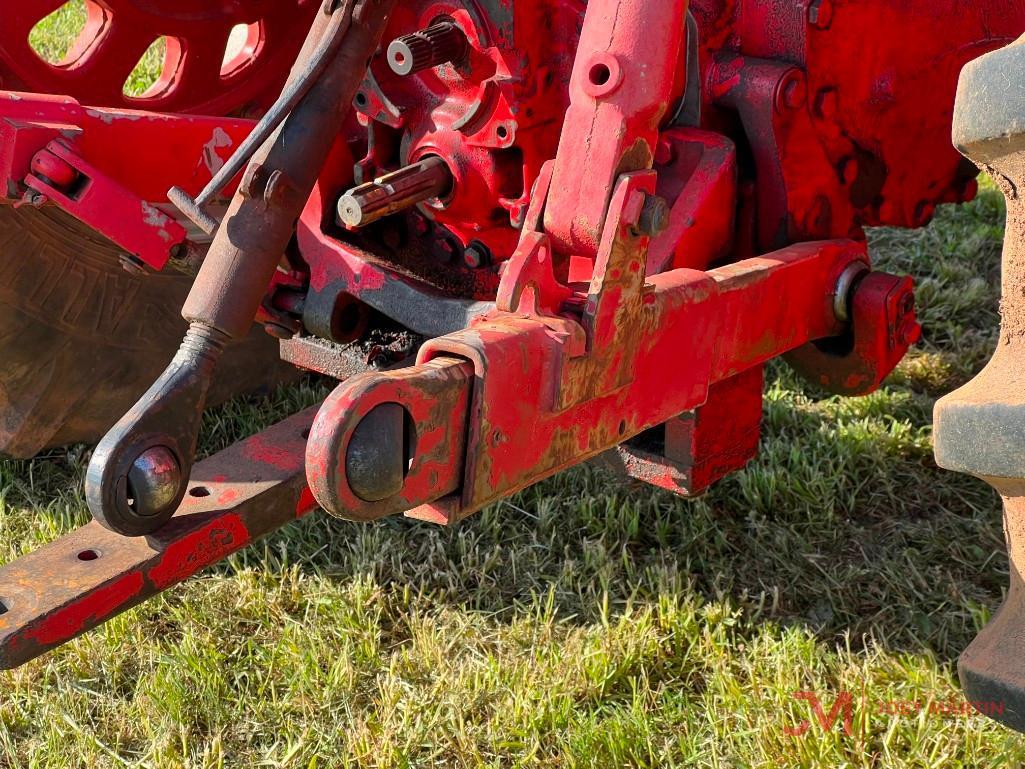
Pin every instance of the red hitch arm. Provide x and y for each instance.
(83, 579)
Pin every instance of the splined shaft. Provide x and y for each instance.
(397, 191)
(438, 44)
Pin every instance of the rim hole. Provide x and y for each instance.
(88, 555)
(147, 71)
(600, 74)
(503, 132)
(244, 44)
(53, 36)
(361, 100)
(199, 492)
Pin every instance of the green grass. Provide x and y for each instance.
(582, 623)
(52, 38)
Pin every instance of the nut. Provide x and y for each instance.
(820, 13)
(654, 218)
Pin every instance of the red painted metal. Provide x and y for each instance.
(630, 236)
(625, 81)
(203, 71)
(839, 151)
(882, 327)
(552, 391)
(107, 175)
(691, 452)
(493, 117)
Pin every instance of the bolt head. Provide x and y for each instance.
(820, 13)
(654, 218)
(477, 255)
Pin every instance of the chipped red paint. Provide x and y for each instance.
(74, 619)
(109, 187)
(626, 79)
(435, 397)
(551, 391)
(262, 451)
(55, 594)
(188, 555)
(689, 453)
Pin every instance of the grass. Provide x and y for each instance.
(582, 623)
(53, 36)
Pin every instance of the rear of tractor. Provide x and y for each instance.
(521, 235)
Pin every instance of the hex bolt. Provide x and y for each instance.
(654, 218)
(477, 255)
(820, 13)
(441, 43)
(427, 178)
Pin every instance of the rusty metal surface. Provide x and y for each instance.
(626, 76)
(83, 579)
(436, 398)
(66, 305)
(258, 226)
(579, 301)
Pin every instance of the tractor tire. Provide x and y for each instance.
(81, 339)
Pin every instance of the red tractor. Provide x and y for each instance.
(520, 234)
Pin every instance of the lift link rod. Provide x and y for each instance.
(233, 281)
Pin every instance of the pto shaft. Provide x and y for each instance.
(397, 191)
(438, 44)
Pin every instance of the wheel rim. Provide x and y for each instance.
(198, 75)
